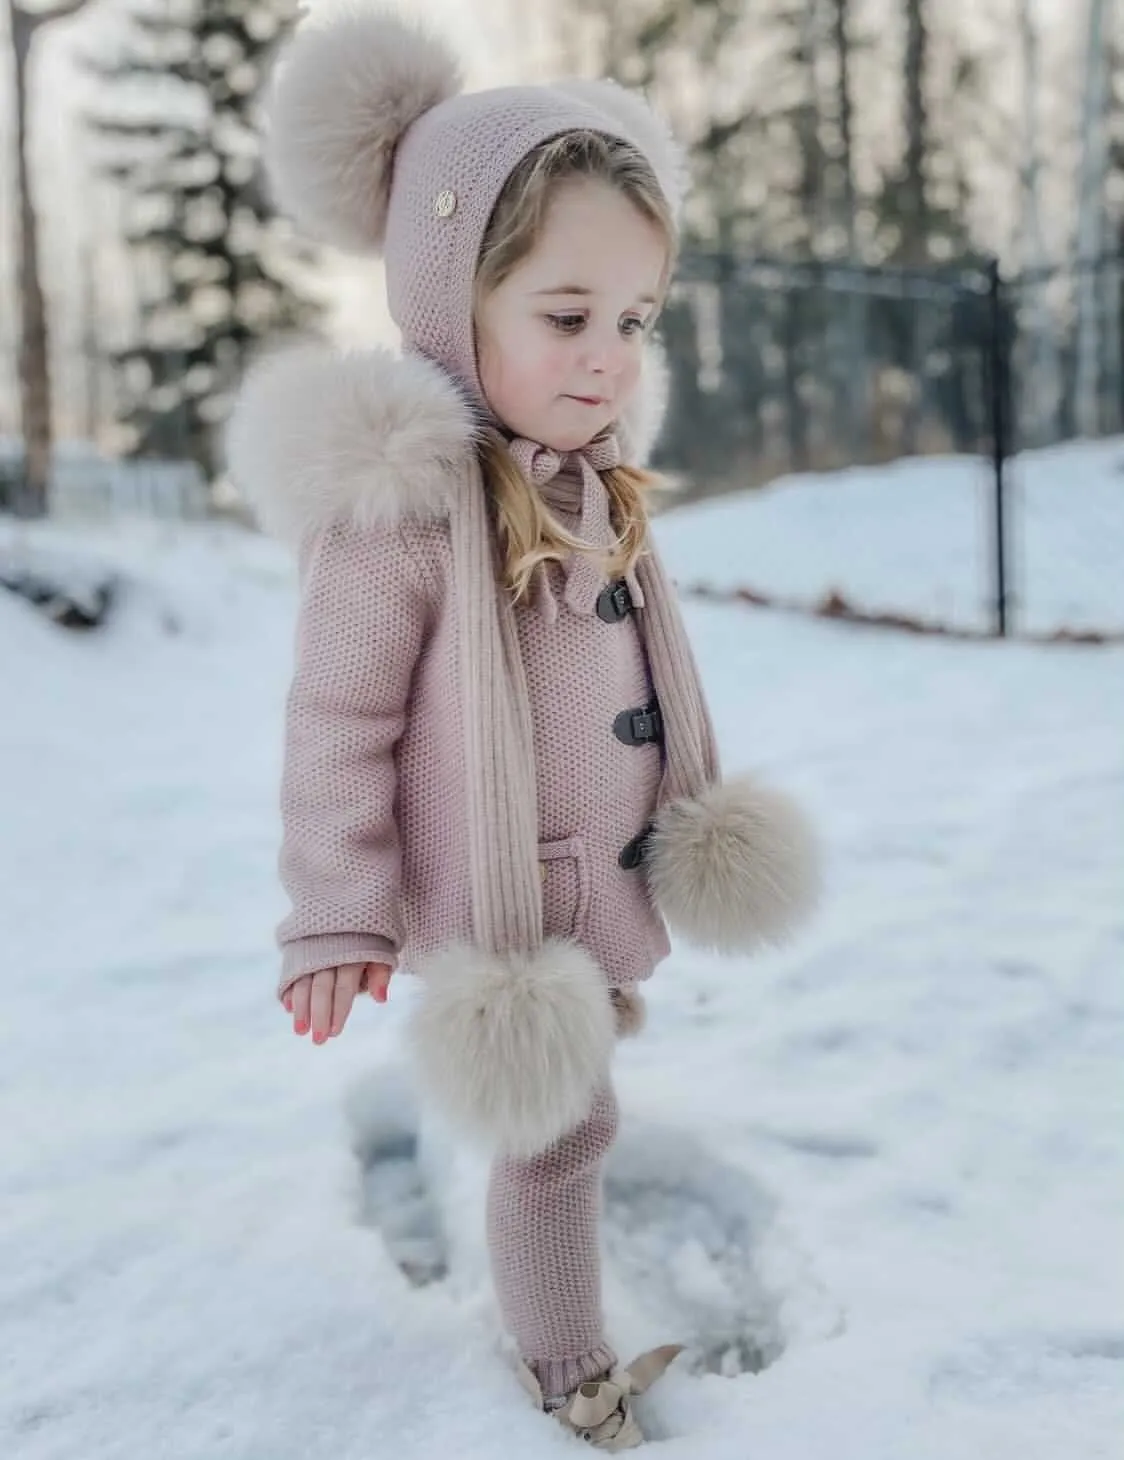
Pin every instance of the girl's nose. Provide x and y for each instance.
(605, 357)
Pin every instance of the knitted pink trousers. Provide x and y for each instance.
(543, 1235)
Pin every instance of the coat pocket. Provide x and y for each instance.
(564, 869)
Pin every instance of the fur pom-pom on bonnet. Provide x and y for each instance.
(343, 96)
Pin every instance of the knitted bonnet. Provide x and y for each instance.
(403, 164)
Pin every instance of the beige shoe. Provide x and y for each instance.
(600, 1412)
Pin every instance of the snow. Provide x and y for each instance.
(887, 1163)
(918, 537)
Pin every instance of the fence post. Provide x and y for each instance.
(1000, 443)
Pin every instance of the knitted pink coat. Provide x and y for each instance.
(354, 460)
(375, 857)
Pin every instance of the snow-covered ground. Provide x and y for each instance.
(918, 537)
(888, 1163)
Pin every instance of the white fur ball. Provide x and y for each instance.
(735, 868)
(513, 1048)
(343, 95)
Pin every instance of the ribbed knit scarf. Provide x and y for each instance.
(499, 744)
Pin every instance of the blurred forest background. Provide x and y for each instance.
(904, 237)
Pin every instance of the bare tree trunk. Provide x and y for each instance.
(841, 36)
(852, 362)
(1112, 343)
(1089, 223)
(807, 122)
(1032, 248)
(915, 204)
(1041, 399)
(808, 311)
(915, 222)
(34, 344)
(92, 357)
(34, 372)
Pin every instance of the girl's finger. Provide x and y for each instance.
(323, 991)
(302, 993)
(347, 986)
(378, 981)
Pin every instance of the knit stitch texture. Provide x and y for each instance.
(375, 852)
(543, 1220)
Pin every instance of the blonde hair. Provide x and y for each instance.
(529, 532)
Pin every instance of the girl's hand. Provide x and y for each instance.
(321, 1001)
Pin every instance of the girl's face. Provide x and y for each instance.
(559, 342)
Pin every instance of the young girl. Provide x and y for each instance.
(499, 771)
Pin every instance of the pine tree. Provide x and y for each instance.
(211, 265)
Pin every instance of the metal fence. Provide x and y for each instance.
(87, 484)
(779, 367)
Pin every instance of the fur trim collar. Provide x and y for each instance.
(319, 436)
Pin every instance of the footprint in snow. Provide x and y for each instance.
(394, 1195)
(697, 1252)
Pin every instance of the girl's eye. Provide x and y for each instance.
(633, 326)
(567, 324)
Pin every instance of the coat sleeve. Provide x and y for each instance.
(362, 623)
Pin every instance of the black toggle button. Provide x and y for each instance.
(640, 727)
(633, 853)
(614, 602)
